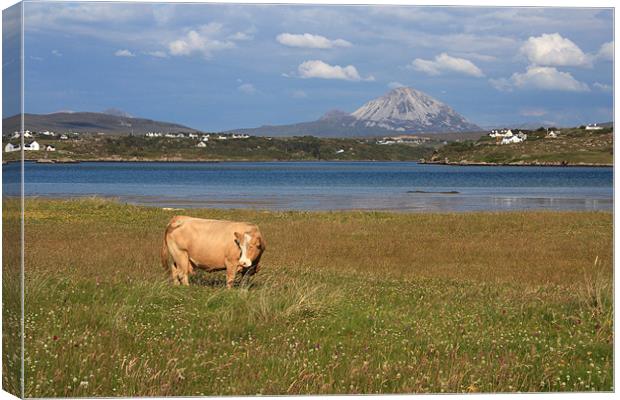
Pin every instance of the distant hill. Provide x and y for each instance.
(400, 111)
(116, 122)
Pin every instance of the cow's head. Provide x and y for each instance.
(251, 247)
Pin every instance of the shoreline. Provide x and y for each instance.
(447, 163)
(514, 164)
(267, 206)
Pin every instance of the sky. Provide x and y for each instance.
(222, 66)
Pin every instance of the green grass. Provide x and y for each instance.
(346, 302)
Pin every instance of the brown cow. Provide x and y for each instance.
(212, 245)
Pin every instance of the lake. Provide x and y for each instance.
(397, 186)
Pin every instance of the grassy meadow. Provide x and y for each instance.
(573, 146)
(345, 302)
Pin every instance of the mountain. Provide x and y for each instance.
(401, 110)
(111, 123)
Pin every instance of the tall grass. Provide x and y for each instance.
(346, 302)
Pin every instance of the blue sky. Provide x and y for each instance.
(216, 67)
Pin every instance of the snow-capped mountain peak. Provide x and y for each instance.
(408, 109)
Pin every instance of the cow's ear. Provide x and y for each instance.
(238, 237)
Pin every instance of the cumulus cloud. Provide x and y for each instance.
(553, 50)
(606, 52)
(311, 41)
(204, 40)
(320, 69)
(124, 53)
(445, 63)
(602, 87)
(247, 88)
(56, 53)
(545, 78)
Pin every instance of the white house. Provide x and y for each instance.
(552, 134)
(240, 136)
(15, 135)
(10, 147)
(34, 146)
(201, 144)
(28, 134)
(220, 137)
(64, 137)
(170, 135)
(205, 138)
(180, 135)
(340, 151)
(512, 139)
(49, 147)
(193, 135)
(593, 127)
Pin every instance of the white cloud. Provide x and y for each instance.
(545, 78)
(204, 40)
(554, 50)
(247, 88)
(394, 85)
(320, 69)
(443, 63)
(606, 52)
(56, 53)
(124, 53)
(602, 87)
(158, 54)
(240, 36)
(309, 40)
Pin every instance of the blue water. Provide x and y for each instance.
(325, 185)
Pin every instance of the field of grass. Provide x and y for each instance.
(307, 148)
(572, 146)
(345, 302)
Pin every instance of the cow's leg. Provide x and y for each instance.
(174, 275)
(181, 267)
(184, 269)
(231, 273)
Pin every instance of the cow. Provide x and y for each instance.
(212, 245)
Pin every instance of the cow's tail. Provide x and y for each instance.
(174, 223)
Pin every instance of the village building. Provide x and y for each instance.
(201, 144)
(552, 134)
(33, 146)
(49, 147)
(512, 139)
(64, 137)
(593, 127)
(11, 147)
